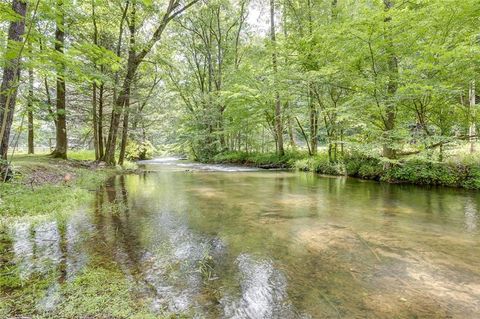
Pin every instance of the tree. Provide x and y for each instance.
(11, 73)
(173, 9)
(61, 127)
(31, 148)
(278, 103)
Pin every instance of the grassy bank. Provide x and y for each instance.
(45, 189)
(459, 172)
(45, 186)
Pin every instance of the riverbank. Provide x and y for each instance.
(44, 186)
(43, 194)
(460, 173)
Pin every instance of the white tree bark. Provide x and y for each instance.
(473, 129)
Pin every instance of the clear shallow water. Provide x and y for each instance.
(230, 242)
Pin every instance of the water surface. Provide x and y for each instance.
(230, 242)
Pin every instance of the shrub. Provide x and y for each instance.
(230, 157)
(302, 165)
(319, 164)
(258, 159)
(363, 167)
(426, 173)
(139, 151)
(472, 178)
(415, 171)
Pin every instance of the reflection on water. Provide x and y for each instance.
(257, 244)
(471, 215)
(263, 292)
(52, 250)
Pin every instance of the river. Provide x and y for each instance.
(212, 241)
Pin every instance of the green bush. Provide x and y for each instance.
(230, 157)
(320, 164)
(363, 167)
(472, 178)
(414, 171)
(258, 159)
(426, 173)
(352, 166)
(139, 150)
(302, 165)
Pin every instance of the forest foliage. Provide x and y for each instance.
(379, 79)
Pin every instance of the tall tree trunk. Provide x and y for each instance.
(123, 146)
(51, 113)
(95, 121)
(11, 77)
(293, 145)
(287, 104)
(61, 134)
(100, 123)
(388, 150)
(94, 90)
(278, 104)
(472, 130)
(312, 108)
(31, 149)
(313, 122)
(124, 96)
(174, 9)
(304, 136)
(110, 143)
(117, 113)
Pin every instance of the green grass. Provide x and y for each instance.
(39, 186)
(90, 295)
(82, 155)
(101, 290)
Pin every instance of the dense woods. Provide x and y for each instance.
(373, 79)
(153, 157)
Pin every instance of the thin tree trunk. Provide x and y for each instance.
(119, 49)
(312, 109)
(313, 122)
(388, 150)
(110, 140)
(119, 100)
(31, 149)
(304, 135)
(123, 145)
(11, 76)
(48, 94)
(100, 123)
(61, 134)
(94, 120)
(287, 104)
(472, 129)
(174, 9)
(124, 97)
(293, 145)
(341, 143)
(94, 90)
(278, 105)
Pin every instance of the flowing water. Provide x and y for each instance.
(227, 242)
